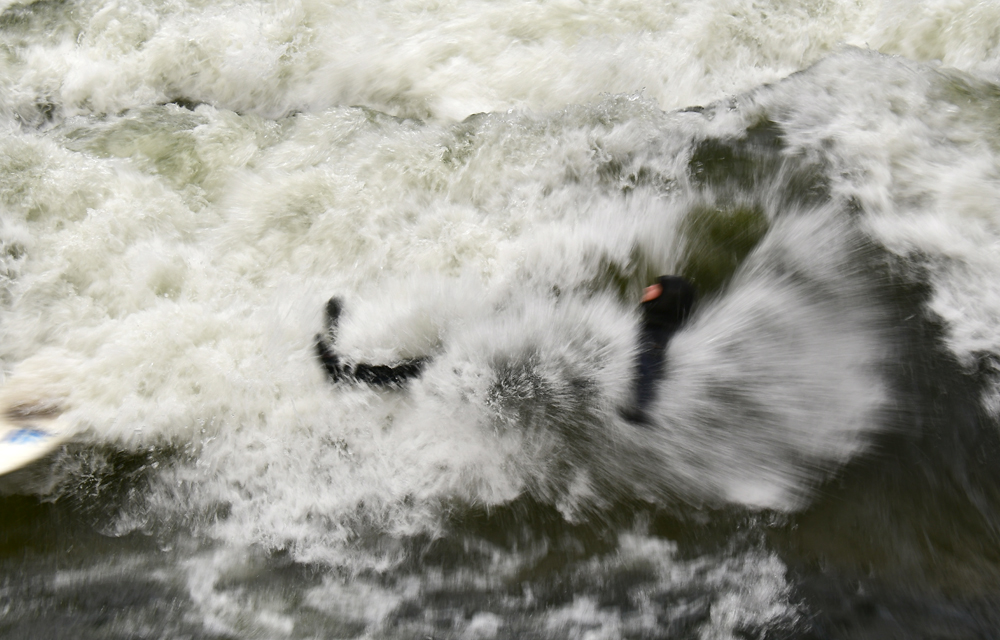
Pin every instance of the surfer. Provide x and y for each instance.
(665, 306)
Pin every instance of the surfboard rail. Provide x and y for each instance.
(28, 434)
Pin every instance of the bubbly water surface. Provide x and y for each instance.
(183, 186)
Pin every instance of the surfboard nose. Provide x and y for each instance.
(28, 433)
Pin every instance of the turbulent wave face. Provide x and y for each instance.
(491, 185)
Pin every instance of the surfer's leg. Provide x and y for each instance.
(376, 375)
(327, 358)
(382, 375)
(334, 307)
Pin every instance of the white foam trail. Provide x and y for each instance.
(771, 388)
(778, 382)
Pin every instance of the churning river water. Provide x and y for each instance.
(491, 184)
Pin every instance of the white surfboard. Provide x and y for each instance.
(27, 436)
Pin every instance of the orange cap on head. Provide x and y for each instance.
(652, 292)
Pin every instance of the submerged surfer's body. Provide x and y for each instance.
(665, 306)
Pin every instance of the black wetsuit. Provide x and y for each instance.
(376, 375)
